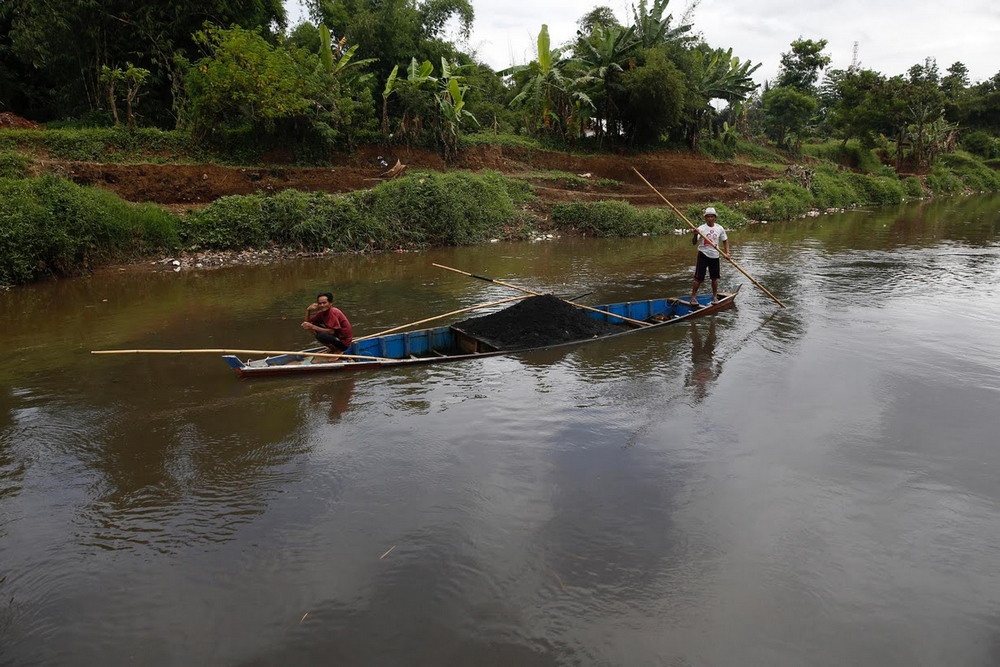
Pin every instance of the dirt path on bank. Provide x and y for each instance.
(684, 178)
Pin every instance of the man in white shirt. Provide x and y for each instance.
(707, 239)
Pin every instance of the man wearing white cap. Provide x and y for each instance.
(707, 239)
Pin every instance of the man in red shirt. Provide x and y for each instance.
(328, 324)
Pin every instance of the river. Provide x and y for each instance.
(810, 485)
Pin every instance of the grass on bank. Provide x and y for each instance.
(421, 209)
(51, 227)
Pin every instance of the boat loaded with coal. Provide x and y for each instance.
(536, 322)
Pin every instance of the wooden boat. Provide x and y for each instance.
(450, 343)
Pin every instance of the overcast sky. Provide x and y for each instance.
(892, 35)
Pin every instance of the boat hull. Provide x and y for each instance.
(445, 344)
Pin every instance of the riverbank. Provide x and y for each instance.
(65, 217)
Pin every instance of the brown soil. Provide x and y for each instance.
(684, 178)
(9, 121)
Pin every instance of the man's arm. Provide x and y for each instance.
(310, 311)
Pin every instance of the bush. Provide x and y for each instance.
(852, 155)
(876, 190)
(940, 181)
(51, 227)
(783, 201)
(613, 218)
(973, 172)
(118, 144)
(913, 188)
(982, 144)
(421, 209)
(831, 190)
(13, 165)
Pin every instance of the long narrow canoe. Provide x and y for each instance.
(426, 346)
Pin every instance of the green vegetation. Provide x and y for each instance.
(421, 209)
(13, 165)
(114, 144)
(570, 181)
(178, 80)
(621, 219)
(51, 227)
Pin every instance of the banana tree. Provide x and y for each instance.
(722, 76)
(652, 28)
(419, 77)
(549, 88)
(450, 97)
(606, 54)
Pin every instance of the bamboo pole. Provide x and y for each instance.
(692, 226)
(528, 291)
(438, 317)
(269, 353)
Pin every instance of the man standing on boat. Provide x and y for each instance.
(328, 324)
(707, 238)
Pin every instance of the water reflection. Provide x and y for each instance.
(704, 367)
(333, 396)
(582, 505)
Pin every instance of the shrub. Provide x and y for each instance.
(13, 165)
(876, 190)
(51, 227)
(420, 209)
(982, 144)
(973, 172)
(117, 144)
(852, 155)
(913, 188)
(782, 201)
(613, 218)
(940, 181)
(831, 190)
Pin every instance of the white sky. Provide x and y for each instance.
(892, 35)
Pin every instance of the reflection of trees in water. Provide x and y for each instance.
(11, 468)
(193, 472)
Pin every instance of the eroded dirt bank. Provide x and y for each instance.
(683, 177)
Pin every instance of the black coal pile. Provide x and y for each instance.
(536, 322)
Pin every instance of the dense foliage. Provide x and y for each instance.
(51, 227)
(384, 70)
(419, 210)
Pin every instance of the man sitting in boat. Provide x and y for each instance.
(328, 324)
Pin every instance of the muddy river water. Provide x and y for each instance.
(812, 485)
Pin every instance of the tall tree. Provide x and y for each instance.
(394, 31)
(787, 111)
(653, 28)
(607, 54)
(67, 42)
(800, 67)
(549, 87)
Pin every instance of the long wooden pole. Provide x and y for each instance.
(269, 353)
(692, 226)
(528, 291)
(438, 317)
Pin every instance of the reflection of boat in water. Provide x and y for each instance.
(452, 343)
